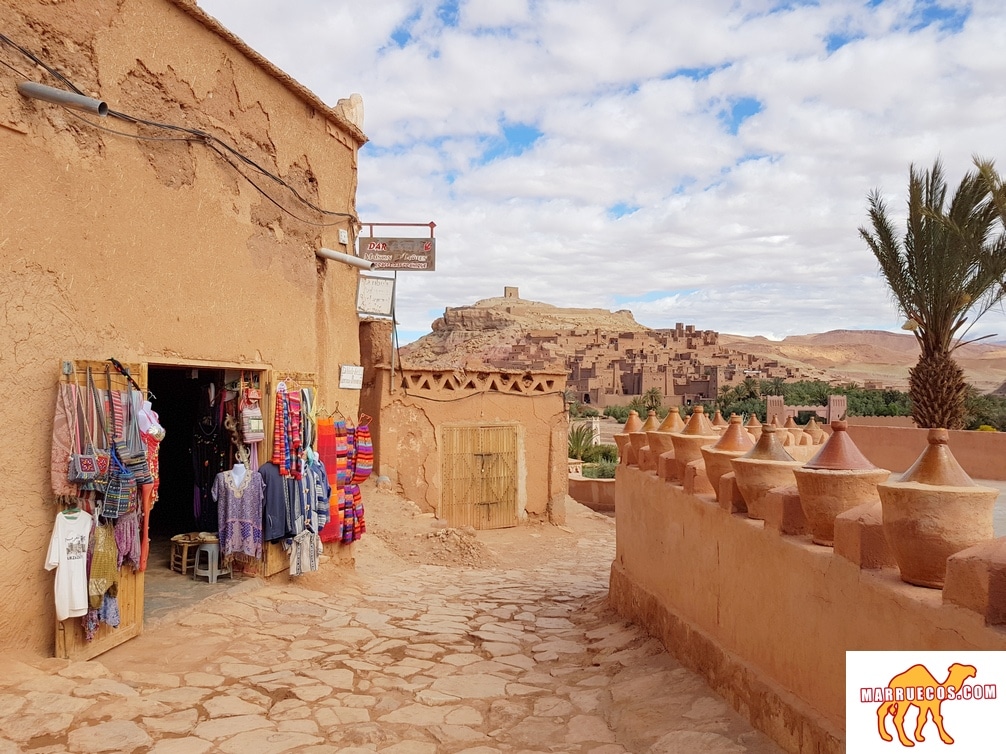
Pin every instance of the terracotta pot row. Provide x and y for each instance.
(933, 511)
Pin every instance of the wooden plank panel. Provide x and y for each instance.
(70, 640)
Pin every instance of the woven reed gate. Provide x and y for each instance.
(479, 473)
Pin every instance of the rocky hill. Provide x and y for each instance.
(514, 333)
(489, 332)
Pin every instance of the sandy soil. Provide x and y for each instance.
(400, 536)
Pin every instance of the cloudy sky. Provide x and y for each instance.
(697, 161)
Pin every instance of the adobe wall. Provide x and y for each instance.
(596, 494)
(767, 618)
(413, 405)
(981, 454)
(150, 250)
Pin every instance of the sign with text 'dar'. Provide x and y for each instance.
(406, 254)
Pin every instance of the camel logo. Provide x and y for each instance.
(917, 687)
(916, 707)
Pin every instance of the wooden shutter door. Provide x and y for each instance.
(479, 476)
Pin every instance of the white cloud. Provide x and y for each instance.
(636, 190)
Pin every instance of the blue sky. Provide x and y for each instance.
(698, 161)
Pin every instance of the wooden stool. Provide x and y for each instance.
(183, 555)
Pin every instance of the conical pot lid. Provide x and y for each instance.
(633, 423)
(937, 465)
(753, 421)
(734, 437)
(718, 420)
(651, 422)
(811, 427)
(698, 424)
(774, 422)
(768, 447)
(673, 422)
(839, 453)
(790, 423)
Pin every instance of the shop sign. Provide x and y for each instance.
(350, 377)
(375, 295)
(406, 254)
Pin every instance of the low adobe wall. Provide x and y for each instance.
(767, 618)
(981, 454)
(596, 494)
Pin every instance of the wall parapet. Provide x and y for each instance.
(767, 617)
(427, 382)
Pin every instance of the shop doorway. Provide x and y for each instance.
(196, 446)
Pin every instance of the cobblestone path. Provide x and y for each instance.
(432, 659)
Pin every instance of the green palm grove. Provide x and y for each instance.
(944, 274)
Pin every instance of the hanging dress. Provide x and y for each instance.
(239, 516)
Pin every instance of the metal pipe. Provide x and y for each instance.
(62, 97)
(338, 256)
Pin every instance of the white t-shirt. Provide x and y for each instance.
(68, 555)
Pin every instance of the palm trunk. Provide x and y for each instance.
(937, 389)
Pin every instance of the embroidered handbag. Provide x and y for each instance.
(83, 466)
(120, 489)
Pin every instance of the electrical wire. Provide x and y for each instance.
(138, 137)
(193, 135)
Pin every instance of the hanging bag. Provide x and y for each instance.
(104, 572)
(83, 466)
(120, 490)
(138, 463)
(129, 448)
(252, 423)
(99, 433)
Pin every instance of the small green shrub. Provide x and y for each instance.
(600, 470)
(604, 452)
(987, 428)
(618, 413)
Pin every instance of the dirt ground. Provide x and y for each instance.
(400, 536)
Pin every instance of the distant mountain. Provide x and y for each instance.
(872, 355)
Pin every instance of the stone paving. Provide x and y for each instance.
(432, 659)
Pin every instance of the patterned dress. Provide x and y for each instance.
(239, 516)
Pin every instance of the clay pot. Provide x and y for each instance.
(838, 478)
(689, 441)
(733, 443)
(795, 431)
(814, 431)
(625, 449)
(673, 422)
(934, 511)
(621, 440)
(719, 423)
(753, 427)
(633, 423)
(638, 440)
(659, 442)
(766, 466)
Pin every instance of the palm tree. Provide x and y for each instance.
(949, 266)
(653, 399)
